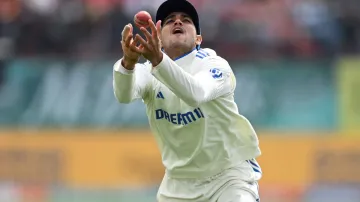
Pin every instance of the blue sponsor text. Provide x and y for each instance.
(179, 118)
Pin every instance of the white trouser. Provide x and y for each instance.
(237, 184)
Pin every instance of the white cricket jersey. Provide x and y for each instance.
(192, 113)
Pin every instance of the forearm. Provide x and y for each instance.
(181, 83)
(123, 83)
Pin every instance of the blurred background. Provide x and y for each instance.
(64, 137)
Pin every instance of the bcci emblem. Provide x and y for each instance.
(216, 73)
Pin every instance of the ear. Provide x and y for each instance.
(198, 40)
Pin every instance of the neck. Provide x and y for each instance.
(175, 53)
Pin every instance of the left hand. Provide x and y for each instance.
(151, 47)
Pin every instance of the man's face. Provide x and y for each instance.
(179, 31)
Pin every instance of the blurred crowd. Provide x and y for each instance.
(234, 28)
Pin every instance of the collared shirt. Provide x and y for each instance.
(192, 113)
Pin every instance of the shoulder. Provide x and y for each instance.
(203, 53)
(209, 55)
(216, 60)
(212, 60)
(218, 67)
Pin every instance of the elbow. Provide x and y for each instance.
(121, 98)
(194, 101)
(121, 95)
(123, 101)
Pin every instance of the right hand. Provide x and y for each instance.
(130, 57)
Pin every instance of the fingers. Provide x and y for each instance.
(151, 42)
(158, 28)
(126, 31)
(147, 34)
(131, 28)
(133, 47)
(142, 42)
(128, 40)
(153, 28)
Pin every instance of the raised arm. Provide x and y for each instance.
(214, 80)
(130, 85)
(130, 80)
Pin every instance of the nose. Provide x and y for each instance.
(178, 22)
